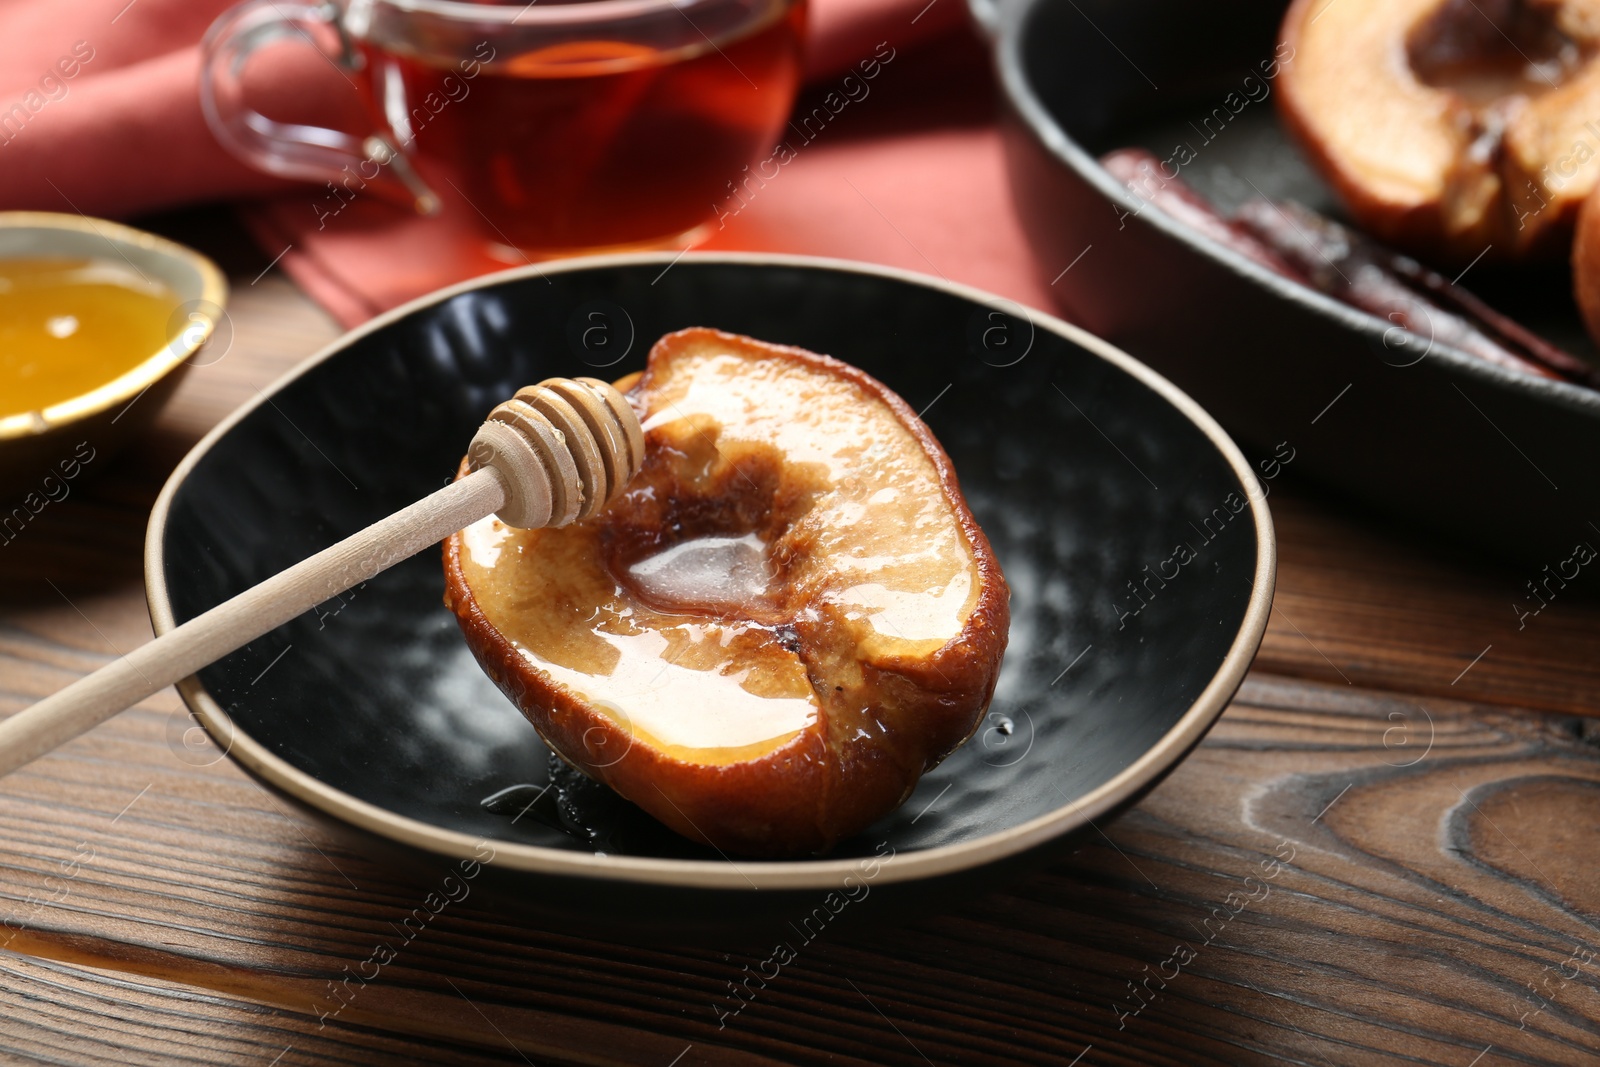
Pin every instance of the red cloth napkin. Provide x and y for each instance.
(99, 113)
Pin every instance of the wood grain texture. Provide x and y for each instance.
(1427, 901)
(1361, 604)
(1433, 898)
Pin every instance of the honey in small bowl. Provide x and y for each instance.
(69, 326)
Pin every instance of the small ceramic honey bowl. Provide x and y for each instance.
(98, 322)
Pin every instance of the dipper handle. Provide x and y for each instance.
(555, 453)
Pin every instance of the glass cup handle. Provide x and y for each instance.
(289, 149)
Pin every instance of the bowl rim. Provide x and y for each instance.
(823, 873)
(1010, 34)
(131, 383)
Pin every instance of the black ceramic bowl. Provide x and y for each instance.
(1086, 470)
(1426, 432)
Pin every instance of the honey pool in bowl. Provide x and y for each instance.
(98, 322)
(69, 325)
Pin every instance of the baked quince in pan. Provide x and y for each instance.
(1450, 128)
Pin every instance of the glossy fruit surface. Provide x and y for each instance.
(1450, 128)
(786, 619)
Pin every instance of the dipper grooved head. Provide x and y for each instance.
(564, 449)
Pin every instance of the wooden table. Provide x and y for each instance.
(1427, 774)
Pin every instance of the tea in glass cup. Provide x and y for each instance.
(557, 127)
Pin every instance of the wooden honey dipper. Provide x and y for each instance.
(553, 454)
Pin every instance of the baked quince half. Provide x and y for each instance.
(786, 619)
(1450, 127)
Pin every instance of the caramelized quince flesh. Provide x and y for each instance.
(1450, 126)
(786, 618)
